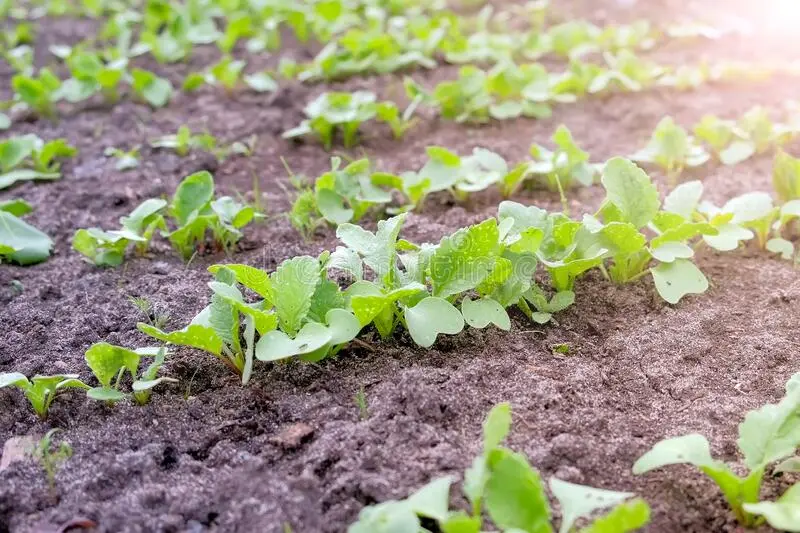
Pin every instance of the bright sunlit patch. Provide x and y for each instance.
(782, 14)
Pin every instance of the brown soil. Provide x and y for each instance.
(290, 448)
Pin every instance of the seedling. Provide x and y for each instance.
(561, 169)
(767, 435)
(155, 316)
(91, 75)
(512, 494)
(185, 141)
(41, 390)
(126, 160)
(152, 89)
(107, 248)
(786, 177)
(51, 459)
(110, 363)
(672, 149)
(361, 403)
(345, 112)
(40, 93)
(28, 157)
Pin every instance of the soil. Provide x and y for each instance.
(291, 448)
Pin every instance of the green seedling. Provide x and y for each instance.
(345, 112)
(110, 363)
(41, 390)
(184, 141)
(362, 404)
(504, 489)
(786, 177)
(40, 93)
(561, 169)
(91, 75)
(767, 435)
(672, 149)
(150, 88)
(107, 248)
(195, 212)
(125, 160)
(51, 459)
(28, 157)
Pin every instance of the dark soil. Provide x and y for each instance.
(290, 448)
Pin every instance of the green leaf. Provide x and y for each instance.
(294, 283)
(106, 394)
(464, 259)
(379, 250)
(192, 196)
(690, 449)
(514, 495)
(737, 152)
(783, 514)
(156, 91)
(578, 501)
(430, 317)
(261, 82)
(331, 207)
(629, 516)
(771, 432)
(670, 251)
(630, 189)
(277, 345)
(496, 426)
(5, 122)
(17, 207)
(387, 517)
(106, 360)
(194, 335)
(480, 313)
(677, 279)
(684, 198)
(781, 246)
(728, 237)
(21, 242)
(14, 379)
(253, 278)
(26, 174)
(786, 176)
(432, 500)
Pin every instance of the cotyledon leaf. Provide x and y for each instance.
(677, 279)
(484, 311)
(578, 501)
(430, 317)
(194, 335)
(21, 242)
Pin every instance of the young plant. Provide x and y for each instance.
(561, 169)
(786, 177)
(28, 157)
(150, 88)
(20, 242)
(767, 435)
(503, 487)
(51, 459)
(109, 365)
(195, 212)
(91, 75)
(126, 160)
(672, 149)
(40, 93)
(345, 112)
(740, 219)
(346, 194)
(726, 140)
(107, 248)
(184, 141)
(41, 390)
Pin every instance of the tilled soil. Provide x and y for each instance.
(291, 448)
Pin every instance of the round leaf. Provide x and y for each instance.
(430, 317)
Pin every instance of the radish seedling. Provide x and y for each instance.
(345, 112)
(672, 149)
(504, 485)
(150, 88)
(185, 141)
(767, 435)
(40, 93)
(109, 364)
(51, 459)
(41, 390)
